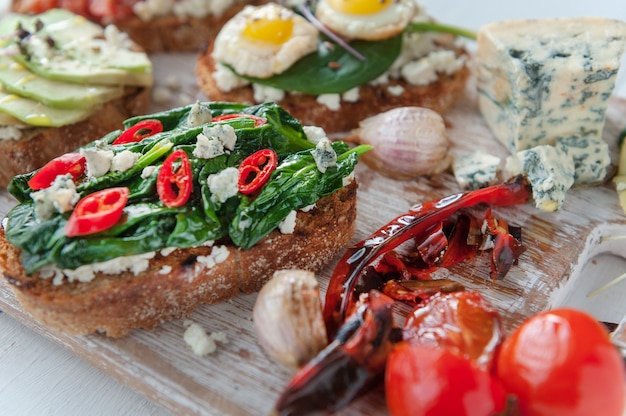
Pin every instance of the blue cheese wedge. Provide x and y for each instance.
(539, 80)
(476, 170)
(550, 172)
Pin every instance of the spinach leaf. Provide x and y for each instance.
(295, 184)
(333, 70)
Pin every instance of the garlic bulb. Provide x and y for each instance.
(407, 142)
(288, 319)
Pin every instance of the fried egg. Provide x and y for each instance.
(366, 19)
(262, 41)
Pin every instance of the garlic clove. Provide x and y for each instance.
(287, 318)
(407, 142)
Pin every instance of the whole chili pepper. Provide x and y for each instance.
(174, 183)
(340, 297)
(255, 170)
(139, 131)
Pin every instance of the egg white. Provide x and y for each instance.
(390, 21)
(262, 59)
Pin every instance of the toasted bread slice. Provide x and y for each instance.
(37, 145)
(115, 304)
(439, 96)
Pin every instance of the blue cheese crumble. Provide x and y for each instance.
(324, 155)
(476, 170)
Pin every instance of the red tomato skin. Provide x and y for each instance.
(560, 363)
(428, 381)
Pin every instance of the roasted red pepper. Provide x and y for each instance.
(340, 296)
(255, 170)
(97, 212)
(174, 182)
(72, 163)
(139, 131)
(258, 121)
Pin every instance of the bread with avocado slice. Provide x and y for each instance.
(63, 80)
(160, 262)
(166, 33)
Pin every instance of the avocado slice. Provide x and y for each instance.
(59, 94)
(70, 48)
(35, 113)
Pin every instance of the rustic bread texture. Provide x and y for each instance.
(438, 96)
(38, 145)
(115, 304)
(166, 33)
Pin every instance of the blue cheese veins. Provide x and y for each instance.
(476, 170)
(539, 80)
(324, 155)
(591, 156)
(550, 172)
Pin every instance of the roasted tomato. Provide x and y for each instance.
(562, 363)
(421, 380)
(463, 322)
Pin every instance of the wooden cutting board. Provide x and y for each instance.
(239, 379)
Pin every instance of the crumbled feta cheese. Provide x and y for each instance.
(226, 80)
(264, 93)
(351, 96)
(314, 133)
(148, 171)
(10, 133)
(123, 161)
(165, 269)
(224, 184)
(332, 101)
(61, 197)
(199, 114)
(288, 225)
(218, 255)
(134, 264)
(98, 161)
(200, 342)
(324, 155)
(395, 90)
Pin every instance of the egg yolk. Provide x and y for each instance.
(359, 6)
(277, 31)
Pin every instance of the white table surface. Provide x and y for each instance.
(39, 378)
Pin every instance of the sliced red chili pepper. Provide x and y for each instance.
(255, 170)
(139, 131)
(72, 163)
(97, 212)
(174, 181)
(258, 121)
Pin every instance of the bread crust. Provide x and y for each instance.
(115, 304)
(38, 145)
(438, 96)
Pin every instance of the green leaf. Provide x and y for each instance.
(333, 70)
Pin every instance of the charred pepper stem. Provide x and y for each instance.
(340, 298)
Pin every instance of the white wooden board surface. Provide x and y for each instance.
(240, 380)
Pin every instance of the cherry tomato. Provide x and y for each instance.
(72, 163)
(97, 212)
(429, 381)
(174, 182)
(463, 322)
(255, 170)
(139, 131)
(258, 121)
(562, 363)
